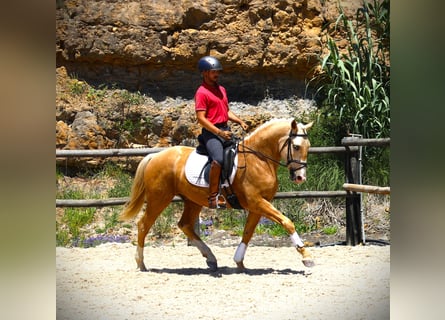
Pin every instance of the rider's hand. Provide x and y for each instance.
(245, 126)
(225, 134)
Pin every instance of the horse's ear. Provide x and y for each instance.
(294, 125)
(309, 125)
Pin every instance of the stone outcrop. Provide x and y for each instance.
(146, 53)
(266, 46)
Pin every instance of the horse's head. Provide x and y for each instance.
(295, 149)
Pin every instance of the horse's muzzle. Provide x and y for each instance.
(300, 179)
(297, 178)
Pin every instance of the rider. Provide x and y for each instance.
(212, 112)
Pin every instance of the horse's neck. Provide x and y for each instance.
(267, 139)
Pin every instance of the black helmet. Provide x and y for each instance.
(209, 63)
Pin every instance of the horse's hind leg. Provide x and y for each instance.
(249, 228)
(152, 211)
(144, 225)
(186, 224)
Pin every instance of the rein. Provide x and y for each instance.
(290, 160)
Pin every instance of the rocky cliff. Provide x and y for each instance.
(265, 46)
(126, 70)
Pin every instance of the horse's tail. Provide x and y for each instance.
(137, 196)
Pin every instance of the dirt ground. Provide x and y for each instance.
(103, 283)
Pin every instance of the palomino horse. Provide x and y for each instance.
(161, 176)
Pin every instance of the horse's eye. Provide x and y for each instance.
(296, 148)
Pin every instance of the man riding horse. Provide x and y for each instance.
(212, 112)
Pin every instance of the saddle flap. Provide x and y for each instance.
(195, 169)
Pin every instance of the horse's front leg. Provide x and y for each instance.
(270, 212)
(249, 228)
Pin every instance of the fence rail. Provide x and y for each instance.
(121, 201)
(144, 151)
(351, 147)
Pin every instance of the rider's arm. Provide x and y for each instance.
(205, 123)
(233, 117)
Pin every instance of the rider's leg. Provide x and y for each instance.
(215, 151)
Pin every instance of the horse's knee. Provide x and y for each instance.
(288, 225)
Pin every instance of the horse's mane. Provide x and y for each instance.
(267, 124)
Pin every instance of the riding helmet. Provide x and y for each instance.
(209, 63)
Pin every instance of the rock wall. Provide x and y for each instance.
(267, 47)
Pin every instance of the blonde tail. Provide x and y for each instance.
(137, 196)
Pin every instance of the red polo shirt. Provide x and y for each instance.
(214, 101)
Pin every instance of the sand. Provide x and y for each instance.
(103, 283)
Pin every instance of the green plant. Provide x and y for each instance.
(70, 193)
(355, 85)
(330, 230)
(94, 95)
(76, 218)
(62, 236)
(376, 169)
(77, 87)
(277, 230)
(122, 180)
(131, 98)
(166, 220)
(112, 217)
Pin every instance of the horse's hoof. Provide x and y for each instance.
(308, 263)
(213, 265)
(241, 267)
(216, 274)
(141, 265)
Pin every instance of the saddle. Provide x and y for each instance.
(229, 153)
(197, 168)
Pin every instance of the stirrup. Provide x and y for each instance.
(217, 201)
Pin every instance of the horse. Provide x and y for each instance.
(160, 177)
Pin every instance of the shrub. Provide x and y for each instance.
(354, 86)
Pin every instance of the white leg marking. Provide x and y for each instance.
(140, 253)
(296, 240)
(239, 253)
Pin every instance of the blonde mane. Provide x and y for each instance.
(267, 124)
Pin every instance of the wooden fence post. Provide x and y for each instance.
(354, 218)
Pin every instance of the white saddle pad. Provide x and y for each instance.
(195, 173)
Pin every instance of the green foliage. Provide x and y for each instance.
(330, 230)
(277, 230)
(233, 220)
(96, 95)
(167, 220)
(376, 169)
(62, 236)
(76, 194)
(76, 218)
(77, 87)
(354, 87)
(111, 217)
(124, 180)
(131, 98)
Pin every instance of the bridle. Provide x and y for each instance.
(289, 159)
